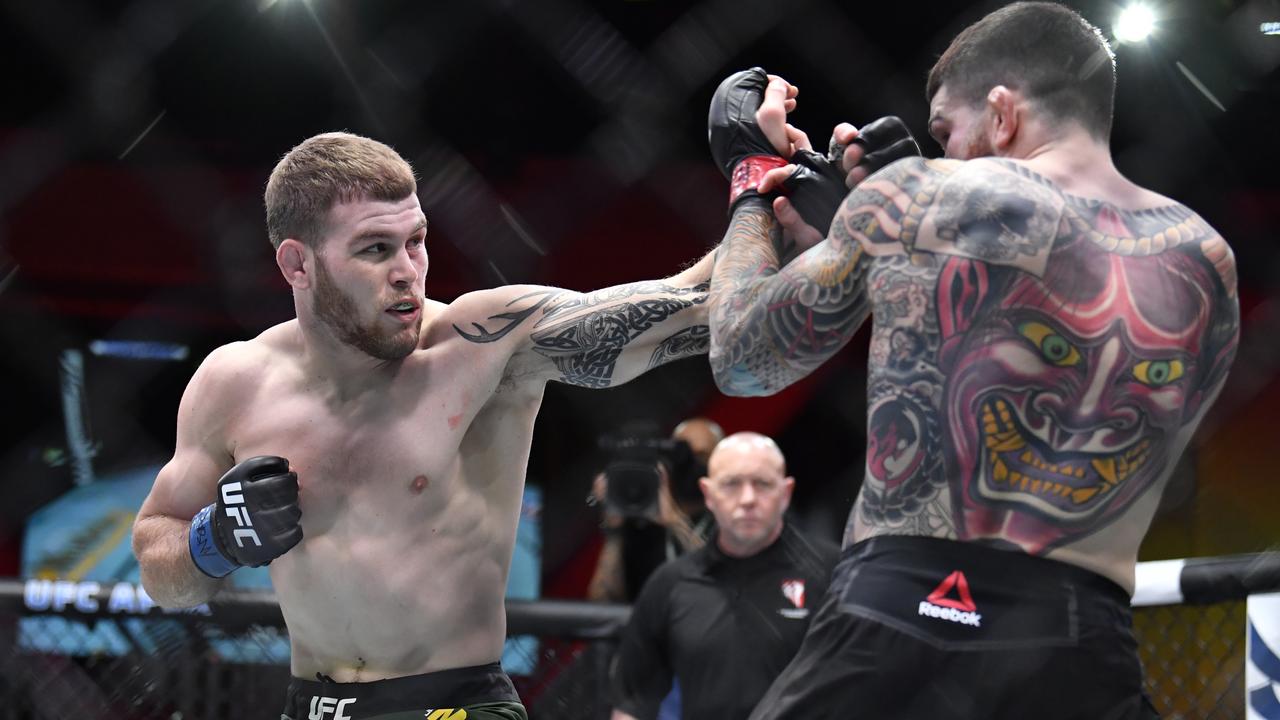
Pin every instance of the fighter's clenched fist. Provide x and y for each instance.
(255, 519)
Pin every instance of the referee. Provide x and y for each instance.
(723, 621)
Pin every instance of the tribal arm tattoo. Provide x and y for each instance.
(603, 338)
(695, 340)
(608, 337)
(772, 325)
(508, 320)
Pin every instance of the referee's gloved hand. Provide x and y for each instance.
(254, 520)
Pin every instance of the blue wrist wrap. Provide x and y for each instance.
(204, 551)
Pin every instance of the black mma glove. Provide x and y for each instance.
(884, 140)
(255, 520)
(737, 143)
(817, 188)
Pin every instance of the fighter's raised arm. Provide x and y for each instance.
(772, 325)
(594, 339)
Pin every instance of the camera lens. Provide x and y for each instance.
(633, 488)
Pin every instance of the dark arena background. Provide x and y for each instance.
(559, 142)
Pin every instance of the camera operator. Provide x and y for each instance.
(653, 510)
(723, 621)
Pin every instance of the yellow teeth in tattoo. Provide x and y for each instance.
(1106, 468)
(1016, 464)
(1001, 439)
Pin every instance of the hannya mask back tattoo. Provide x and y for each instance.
(1065, 392)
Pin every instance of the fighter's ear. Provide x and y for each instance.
(294, 260)
(1005, 117)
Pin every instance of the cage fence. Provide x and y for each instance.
(77, 650)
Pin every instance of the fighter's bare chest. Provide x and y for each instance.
(392, 439)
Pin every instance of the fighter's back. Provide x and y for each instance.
(1039, 360)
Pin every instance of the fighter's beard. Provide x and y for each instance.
(338, 313)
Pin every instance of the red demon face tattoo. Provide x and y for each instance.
(1064, 400)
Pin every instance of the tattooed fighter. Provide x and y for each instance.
(406, 424)
(1046, 336)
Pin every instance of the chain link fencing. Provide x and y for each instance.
(189, 679)
(1193, 656)
(87, 662)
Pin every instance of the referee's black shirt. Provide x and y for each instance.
(724, 627)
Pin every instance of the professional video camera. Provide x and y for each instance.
(633, 476)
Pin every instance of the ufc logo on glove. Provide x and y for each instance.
(254, 520)
(234, 500)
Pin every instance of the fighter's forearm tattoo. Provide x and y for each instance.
(569, 303)
(771, 326)
(695, 340)
(586, 346)
(586, 334)
(746, 256)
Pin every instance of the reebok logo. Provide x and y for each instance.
(960, 609)
(233, 499)
(323, 708)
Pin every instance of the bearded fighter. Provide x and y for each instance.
(1046, 336)
(373, 449)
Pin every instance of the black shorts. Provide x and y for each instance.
(925, 628)
(484, 692)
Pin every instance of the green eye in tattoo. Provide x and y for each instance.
(1158, 372)
(1055, 348)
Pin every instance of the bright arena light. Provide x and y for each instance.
(1135, 23)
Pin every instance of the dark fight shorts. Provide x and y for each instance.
(483, 692)
(924, 628)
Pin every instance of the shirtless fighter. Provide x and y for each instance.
(373, 450)
(1046, 336)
